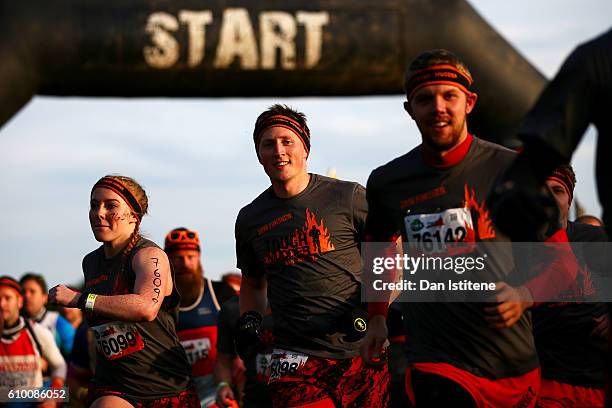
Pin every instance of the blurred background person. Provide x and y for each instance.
(590, 219)
(34, 307)
(26, 348)
(201, 300)
(571, 335)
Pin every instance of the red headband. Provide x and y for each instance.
(566, 182)
(10, 283)
(119, 188)
(285, 122)
(438, 75)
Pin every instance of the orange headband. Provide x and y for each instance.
(9, 282)
(119, 188)
(285, 122)
(438, 75)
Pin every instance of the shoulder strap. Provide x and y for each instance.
(31, 331)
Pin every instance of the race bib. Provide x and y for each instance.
(196, 349)
(285, 365)
(431, 232)
(116, 339)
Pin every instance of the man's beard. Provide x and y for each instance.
(189, 284)
(435, 143)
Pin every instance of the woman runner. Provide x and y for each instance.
(131, 304)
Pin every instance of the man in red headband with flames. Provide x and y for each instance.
(462, 354)
(299, 243)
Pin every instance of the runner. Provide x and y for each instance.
(256, 394)
(131, 303)
(455, 357)
(200, 304)
(576, 97)
(25, 346)
(34, 301)
(570, 336)
(312, 279)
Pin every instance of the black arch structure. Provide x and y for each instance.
(96, 48)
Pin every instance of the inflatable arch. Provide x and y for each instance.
(242, 48)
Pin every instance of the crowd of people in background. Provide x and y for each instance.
(148, 328)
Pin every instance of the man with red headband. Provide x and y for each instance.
(201, 300)
(299, 243)
(571, 335)
(459, 354)
(25, 345)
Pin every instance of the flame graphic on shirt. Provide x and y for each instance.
(581, 289)
(485, 225)
(319, 239)
(305, 242)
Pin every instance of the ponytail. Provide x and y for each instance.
(125, 254)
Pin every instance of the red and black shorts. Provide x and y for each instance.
(298, 380)
(435, 383)
(185, 399)
(561, 395)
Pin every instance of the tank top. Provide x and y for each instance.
(142, 360)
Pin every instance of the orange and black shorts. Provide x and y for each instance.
(304, 381)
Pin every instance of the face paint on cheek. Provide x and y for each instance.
(119, 217)
(113, 219)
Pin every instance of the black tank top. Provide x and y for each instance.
(141, 360)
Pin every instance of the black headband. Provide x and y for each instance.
(282, 121)
(438, 74)
(123, 191)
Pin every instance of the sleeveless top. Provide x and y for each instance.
(197, 331)
(142, 360)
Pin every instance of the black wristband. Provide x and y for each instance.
(248, 332)
(82, 300)
(250, 319)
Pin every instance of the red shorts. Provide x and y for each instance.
(560, 395)
(519, 392)
(186, 399)
(322, 383)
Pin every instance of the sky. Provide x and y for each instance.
(196, 160)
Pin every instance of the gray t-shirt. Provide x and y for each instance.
(308, 248)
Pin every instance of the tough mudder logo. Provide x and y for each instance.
(360, 325)
(484, 224)
(235, 40)
(304, 243)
